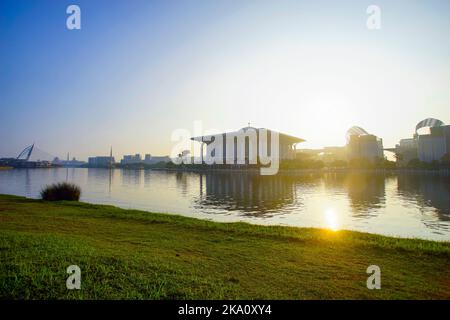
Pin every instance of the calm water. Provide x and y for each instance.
(406, 205)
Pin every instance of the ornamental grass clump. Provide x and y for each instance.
(61, 191)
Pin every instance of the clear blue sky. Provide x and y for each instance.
(137, 70)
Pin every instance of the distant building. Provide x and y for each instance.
(365, 146)
(74, 163)
(328, 155)
(240, 145)
(406, 151)
(149, 159)
(331, 154)
(101, 161)
(361, 144)
(424, 147)
(315, 154)
(433, 146)
(131, 159)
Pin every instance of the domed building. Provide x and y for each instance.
(363, 145)
(432, 146)
(426, 147)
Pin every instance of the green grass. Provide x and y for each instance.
(128, 254)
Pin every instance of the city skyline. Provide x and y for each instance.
(134, 73)
(423, 128)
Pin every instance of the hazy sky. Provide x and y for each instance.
(137, 70)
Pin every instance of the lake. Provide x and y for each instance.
(403, 205)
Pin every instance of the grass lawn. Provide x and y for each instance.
(128, 254)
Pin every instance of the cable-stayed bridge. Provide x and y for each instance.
(30, 157)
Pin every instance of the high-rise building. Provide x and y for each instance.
(131, 159)
(101, 161)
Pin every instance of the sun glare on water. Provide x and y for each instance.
(331, 220)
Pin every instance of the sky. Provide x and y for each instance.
(138, 70)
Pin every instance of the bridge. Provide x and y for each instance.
(23, 160)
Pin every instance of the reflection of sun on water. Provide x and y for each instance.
(331, 219)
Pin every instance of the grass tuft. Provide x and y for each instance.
(61, 191)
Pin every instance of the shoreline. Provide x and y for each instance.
(249, 222)
(306, 171)
(442, 171)
(136, 254)
(176, 215)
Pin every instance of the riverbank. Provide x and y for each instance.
(253, 171)
(129, 254)
(293, 172)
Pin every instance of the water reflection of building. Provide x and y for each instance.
(132, 177)
(427, 191)
(251, 193)
(182, 181)
(101, 177)
(365, 191)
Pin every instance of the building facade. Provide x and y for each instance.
(131, 159)
(362, 145)
(433, 146)
(101, 161)
(405, 151)
(426, 147)
(246, 146)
